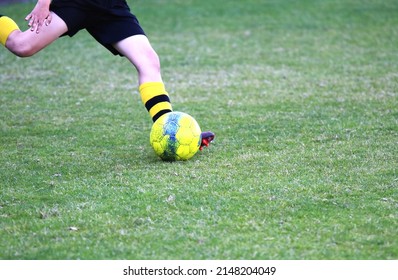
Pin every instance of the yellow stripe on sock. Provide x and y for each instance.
(7, 26)
(156, 94)
(159, 107)
(151, 89)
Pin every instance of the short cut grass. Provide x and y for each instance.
(302, 96)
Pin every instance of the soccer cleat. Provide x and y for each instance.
(207, 138)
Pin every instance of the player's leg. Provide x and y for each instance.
(27, 43)
(140, 53)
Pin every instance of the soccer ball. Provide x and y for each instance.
(175, 136)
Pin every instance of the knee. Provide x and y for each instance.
(19, 47)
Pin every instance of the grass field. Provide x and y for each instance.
(303, 98)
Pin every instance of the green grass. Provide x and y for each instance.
(301, 94)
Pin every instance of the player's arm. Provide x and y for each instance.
(39, 15)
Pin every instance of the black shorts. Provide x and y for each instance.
(108, 21)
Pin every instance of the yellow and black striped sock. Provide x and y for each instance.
(7, 26)
(155, 98)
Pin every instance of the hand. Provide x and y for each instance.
(40, 15)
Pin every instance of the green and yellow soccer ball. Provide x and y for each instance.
(175, 136)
